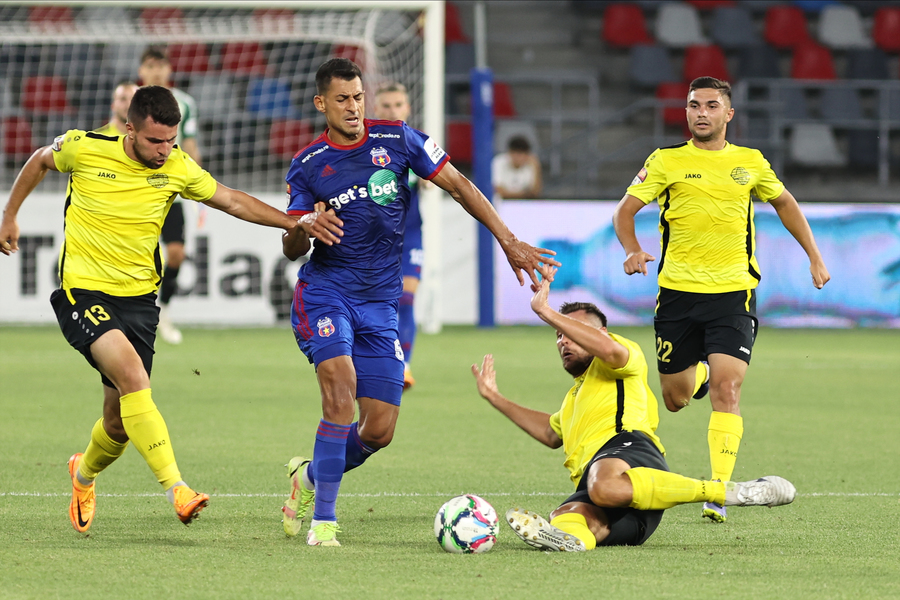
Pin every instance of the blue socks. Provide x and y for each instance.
(357, 451)
(407, 325)
(328, 467)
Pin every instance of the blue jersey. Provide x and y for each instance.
(367, 185)
(413, 217)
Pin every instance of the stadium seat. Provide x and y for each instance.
(121, 60)
(245, 58)
(711, 4)
(894, 107)
(215, 96)
(624, 26)
(650, 66)
(871, 63)
(354, 53)
(886, 28)
(459, 58)
(815, 145)
(503, 102)
(841, 28)
(705, 61)
(794, 105)
(812, 61)
(730, 28)
(862, 149)
(840, 103)
(759, 61)
(189, 58)
(813, 6)
(459, 141)
(162, 20)
(785, 27)
(674, 115)
(270, 98)
(50, 19)
(453, 29)
(45, 95)
(678, 25)
(18, 142)
(273, 20)
(288, 137)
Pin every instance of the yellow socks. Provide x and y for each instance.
(575, 524)
(101, 452)
(725, 432)
(147, 429)
(658, 490)
(700, 375)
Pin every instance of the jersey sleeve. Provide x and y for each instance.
(200, 184)
(65, 150)
(556, 424)
(769, 186)
(650, 181)
(630, 369)
(426, 158)
(300, 197)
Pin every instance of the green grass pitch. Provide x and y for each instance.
(821, 408)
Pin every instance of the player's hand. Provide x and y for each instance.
(486, 378)
(636, 262)
(539, 302)
(819, 273)
(322, 224)
(9, 236)
(525, 257)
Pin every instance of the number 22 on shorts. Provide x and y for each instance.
(663, 350)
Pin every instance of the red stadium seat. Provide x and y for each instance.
(503, 102)
(453, 29)
(705, 61)
(354, 53)
(886, 28)
(624, 26)
(674, 115)
(18, 142)
(162, 20)
(45, 95)
(51, 18)
(459, 141)
(812, 61)
(288, 137)
(710, 4)
(273, 19)
(189, 58)
(246, 58)
(786, 27)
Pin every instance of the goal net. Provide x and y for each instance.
(250, 68)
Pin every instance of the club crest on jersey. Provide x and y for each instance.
(326, 327)
(380, 156)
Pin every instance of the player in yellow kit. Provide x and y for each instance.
(706, 308)
(120, 189)
(121, 100)
(607, 428)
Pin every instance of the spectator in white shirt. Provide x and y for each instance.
(517, 172)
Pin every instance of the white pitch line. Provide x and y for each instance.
(415, 495)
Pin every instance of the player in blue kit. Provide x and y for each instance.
(349, 188)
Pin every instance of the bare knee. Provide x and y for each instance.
(725, 396)
(378, 440)
(675, 400)
(611, 491)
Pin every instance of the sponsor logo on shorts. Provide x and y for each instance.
(326, 327)
(744, 350)
(158, 180)
(398, 350)
(380, 156)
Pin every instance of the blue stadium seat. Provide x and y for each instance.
(758, 61)
(650, 66)
(793, 103)
(270, 98)
(840, 103)
(732, 28)
(871, 63)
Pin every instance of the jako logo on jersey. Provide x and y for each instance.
(106, 175)
(339, 201)
(692, 176)
(383, 187)
(326, 328)
(380, 157)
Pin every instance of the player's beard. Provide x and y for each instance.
(147, 162)
(713, 134)
(577, 367)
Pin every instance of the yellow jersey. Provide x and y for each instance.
(115, 207)
(110, 130)
(602, 403)
(708, 239)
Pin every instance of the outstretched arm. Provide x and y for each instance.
(623, 222)
(793, 220)
(595, 342)
(244, 206)
(533, 422)
(28, 178)
(521, 256)
(323, 225)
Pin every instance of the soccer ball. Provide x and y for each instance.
(466, 525)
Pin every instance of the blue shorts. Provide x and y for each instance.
(412, 252)
(327, 324)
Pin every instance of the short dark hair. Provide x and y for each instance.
(518, 143)
(589, 308)
(343, 68)
(155, 102)
(155, 53)
(711, 83)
